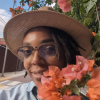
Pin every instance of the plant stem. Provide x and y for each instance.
(96, 52)
(96, 65)
(97, 15)
(78, 10)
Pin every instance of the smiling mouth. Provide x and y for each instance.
(38, 73)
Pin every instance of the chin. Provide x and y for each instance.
(37, 82)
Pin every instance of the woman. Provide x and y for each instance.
(42, 38)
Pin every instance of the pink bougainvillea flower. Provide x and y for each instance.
(71, 97)
(81, 59)
(94, 34)
(64, 5)
(94, 91)
(77, 71)
(67, 92)
(45, 80)
(82, 71)
(51, 82)
(93, 97)
(68, 73)
(82, 66)
(91, 63)
(59, 82)
(46, 90)
(96, 72)
(19, 8)
(54, 96)
(29, 5)
(11, 9)
(46, 73)
(53, 72)
(93, 83)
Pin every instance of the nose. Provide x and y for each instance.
(36, 59)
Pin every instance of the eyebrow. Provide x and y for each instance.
(46, 40)
(26, 44)
(43, 41)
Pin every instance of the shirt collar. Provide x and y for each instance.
(30, 86)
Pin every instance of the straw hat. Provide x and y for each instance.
(45, 16)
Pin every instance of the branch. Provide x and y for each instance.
(97, 15)
(96, 52)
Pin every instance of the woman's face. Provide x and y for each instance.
(37, 65)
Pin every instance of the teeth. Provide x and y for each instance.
(38, 73)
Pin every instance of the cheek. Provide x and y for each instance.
(26, 66)
(57, 62)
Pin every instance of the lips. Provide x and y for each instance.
(37, 74)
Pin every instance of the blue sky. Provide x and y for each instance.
(4, 12)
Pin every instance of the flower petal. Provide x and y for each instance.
(94, 91)
(64, 5)
(93, 97)
(71, 97)
(46, 73)
(91, 62)
(45, 80)
(54, 71)
(93, 83)
(96, 72)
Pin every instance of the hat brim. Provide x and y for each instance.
(16, 28)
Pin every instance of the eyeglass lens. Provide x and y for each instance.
(45, 51)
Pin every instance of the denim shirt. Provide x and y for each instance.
(23, 92)
(20, 92)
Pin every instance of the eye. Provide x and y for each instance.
(26, 51)
(50, 50)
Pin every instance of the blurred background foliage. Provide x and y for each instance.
(85, 11)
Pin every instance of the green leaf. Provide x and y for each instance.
(72, 83)
(89, 5)
(95, 45)
(97, 59)
(97, 38)
(99, 50)
(63, 90)
(86, 22)
(92, 40)
(98, 33)
(85, 0)
(76, 90)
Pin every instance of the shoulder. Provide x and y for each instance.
(16, 91)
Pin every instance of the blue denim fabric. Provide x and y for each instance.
(25, 91)
(20, 92)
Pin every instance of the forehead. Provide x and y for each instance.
(35, 36)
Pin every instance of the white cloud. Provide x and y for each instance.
(4, 17)
(52, 5)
